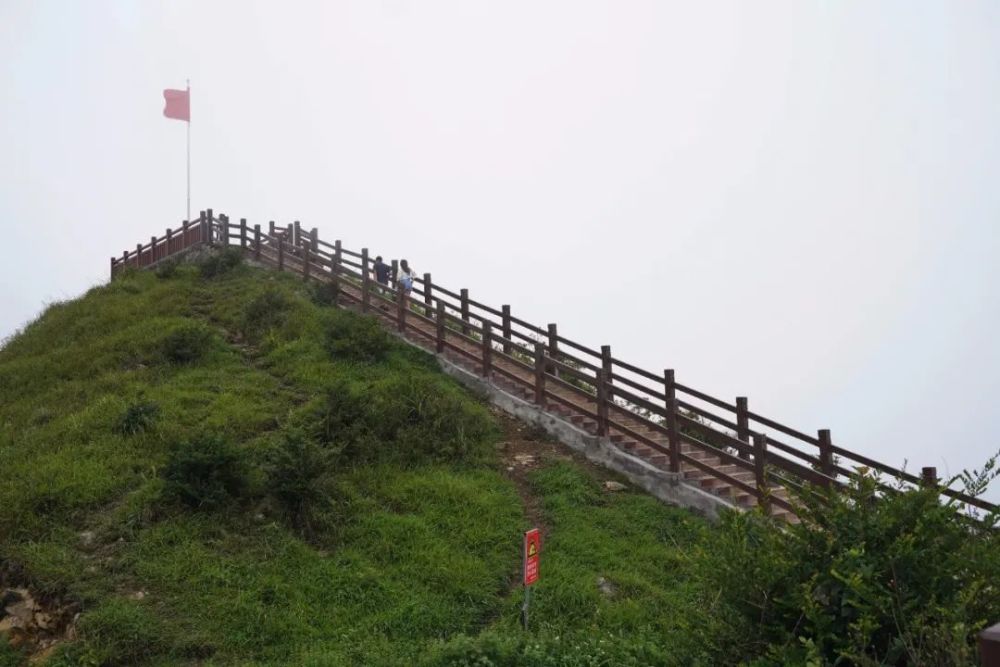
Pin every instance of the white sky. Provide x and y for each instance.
(797, 201)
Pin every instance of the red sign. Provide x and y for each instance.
(532, 551)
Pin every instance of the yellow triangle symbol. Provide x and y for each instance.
(532, 550)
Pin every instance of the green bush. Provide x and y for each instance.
(299, 473)
(118, 632)
(137, 418)
(206, 472)
(322, 294)
(266, 311)
(409, 418)
(220, 262)
(187, 343)
(355, 338)
(167, 269)
(591, 650)
(867, 578)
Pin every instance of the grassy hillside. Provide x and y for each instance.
(211, 466)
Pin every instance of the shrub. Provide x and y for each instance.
(409, 418)
(219, 263)
(866, 578)
(187, 343)
(355, 338)
(167, 269)
(322, 294)
(266, 311)
(138, 417)
(119, 632)
(299, 471)
(205, 473)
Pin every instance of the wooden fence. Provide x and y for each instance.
(720, 444)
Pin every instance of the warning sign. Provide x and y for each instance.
(532, 552)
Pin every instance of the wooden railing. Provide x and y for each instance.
(619, 398)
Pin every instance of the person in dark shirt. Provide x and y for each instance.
(382, 271)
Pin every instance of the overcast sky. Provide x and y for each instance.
(796, 201)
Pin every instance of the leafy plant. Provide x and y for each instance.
(219, 263)
(299, 471)
(138, 417)
(167, 269)
(867, 577)
(187, 343)
(360, 339)
(266, 311)
(206, 472)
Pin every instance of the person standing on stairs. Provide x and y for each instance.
(405, 277)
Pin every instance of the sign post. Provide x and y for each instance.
(532, 553)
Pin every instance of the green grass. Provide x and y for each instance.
(414, 554)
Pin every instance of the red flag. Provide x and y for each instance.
(178, 104)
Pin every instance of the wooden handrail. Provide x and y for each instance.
(602, 375)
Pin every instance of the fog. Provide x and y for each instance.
(793, 201)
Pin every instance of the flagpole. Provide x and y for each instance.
(189, 152)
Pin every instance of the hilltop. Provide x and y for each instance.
(208, 464)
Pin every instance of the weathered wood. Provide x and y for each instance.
(487, 349)
(760, 472)
(464, 297)
(256, 241)
(606, 364)
(928, 477)
(440, 327)
(602, 403)
(826, 455)
(989, 646)
(670, 405)
(270, 228)
(209, 222)
(296, 235)
(170, 238)
(743, 424)
(152, 250)
(366, 280)
(138, 255)
(553, 350)
(428, 300)
(314, 240)
(505, 310)
(281, 253)
(540, 374)
(184, 234)
(394, 273)
(401, 308)
(224, 229)
(243, 233)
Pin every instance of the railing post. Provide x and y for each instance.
(440, 327)
(553, 347)
(487, 349)
(743, 426)
(184, 234)
(138, 255)
(203, 228)
(365, 280)
(464, 294)
(335, 271)
(256, 241)
(281, 253)
(314, 239)
(125, 259)
(505, 310)
(989, 646)
(395, 272)
(209, 226)
(928, 477)
(152, 250)
(290, 234)
(602, 403)
(297, 230)
(401, 308)
(760, 472)
(112, 273)
(606, 367)
(428, 300)
(243, 233)
(170, 238)
(826, 456)
(670, 405)
(270, 228)
(224, 229)
(540, 374)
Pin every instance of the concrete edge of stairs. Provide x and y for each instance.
(665, 486)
